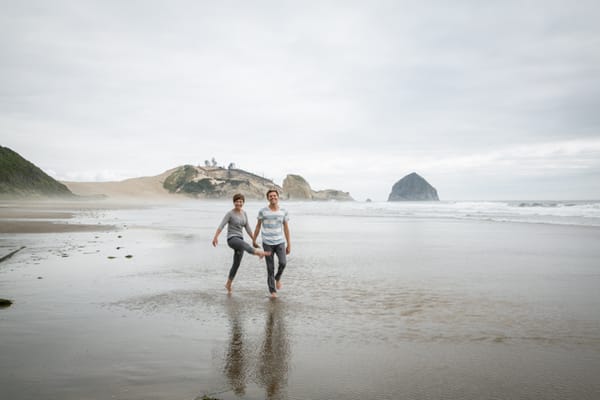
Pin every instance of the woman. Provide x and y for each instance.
(235, 220)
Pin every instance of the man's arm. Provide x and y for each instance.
(256, 232)
(286, 232)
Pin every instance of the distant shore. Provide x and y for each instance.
(47, 216)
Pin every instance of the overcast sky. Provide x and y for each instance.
(486, 100)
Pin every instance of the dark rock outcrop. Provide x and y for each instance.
(21, 178)
(413, 187)
(296, 187)
(5, 303)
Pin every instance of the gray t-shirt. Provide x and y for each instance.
(235, 222)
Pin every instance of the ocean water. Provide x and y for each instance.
(580, 213)
(453, 300)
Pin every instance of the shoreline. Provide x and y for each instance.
(48, 217)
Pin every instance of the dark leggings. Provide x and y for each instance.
(238, 245)
(278, 249)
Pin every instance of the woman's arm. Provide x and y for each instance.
(215, 241)
(224, 222)
(256, 232)
(247, 226)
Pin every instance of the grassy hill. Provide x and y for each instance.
(21, 178)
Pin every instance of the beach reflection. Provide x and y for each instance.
(236, 363)
(275, 353)
(268, 366)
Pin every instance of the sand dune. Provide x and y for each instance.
(135, 188)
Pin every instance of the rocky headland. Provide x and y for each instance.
(204, 182)
(413, 187)
(217, 182)
(296, 187)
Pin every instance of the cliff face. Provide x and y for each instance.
(217, 182)
(413, 187)
(296, 187)
(21, 178)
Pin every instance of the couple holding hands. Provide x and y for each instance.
(275, 238)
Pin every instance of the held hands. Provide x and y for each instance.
(254, 244)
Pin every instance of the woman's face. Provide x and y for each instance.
(238, 204)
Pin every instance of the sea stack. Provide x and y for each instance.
(413, 187)
(296, 187)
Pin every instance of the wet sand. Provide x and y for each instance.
(54, 216)
(47, 227)
(371, 308)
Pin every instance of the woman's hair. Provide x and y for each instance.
(272, 191)
(239, 196)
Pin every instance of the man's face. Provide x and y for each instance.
(273, 198)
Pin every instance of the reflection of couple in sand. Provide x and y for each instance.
(275, 238)
(271, 364)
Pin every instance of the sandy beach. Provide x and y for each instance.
(373, 306)
(439, 163)
(59, 216)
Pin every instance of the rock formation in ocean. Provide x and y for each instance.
(217, 182)
(296, 187)
(413, 187)
(21, 178)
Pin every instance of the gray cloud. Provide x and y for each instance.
(120, 89)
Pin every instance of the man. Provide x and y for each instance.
(274, 223)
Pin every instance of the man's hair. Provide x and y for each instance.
(239, 196)
(271, 191)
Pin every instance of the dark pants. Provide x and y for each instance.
(238, 245)
(278, 249)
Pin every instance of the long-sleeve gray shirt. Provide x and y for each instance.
(235, 222)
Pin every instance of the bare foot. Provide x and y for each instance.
(278, 285)
(228, 285)
(273, 295)
(261, 254)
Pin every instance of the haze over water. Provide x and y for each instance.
(464, 300)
